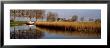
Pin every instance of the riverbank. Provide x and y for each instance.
(17, 23)
(74, 26)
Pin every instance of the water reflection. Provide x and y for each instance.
(25, 32)
(71, 34)
(33, 32)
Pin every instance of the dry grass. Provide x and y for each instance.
(79, 26)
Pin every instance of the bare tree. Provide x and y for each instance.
(27, 13)
(52, 16)
(74, 18)
(40, 14)
(82, 19)
(13, 14)
(98, 20)
(91, 19)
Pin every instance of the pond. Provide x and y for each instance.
(35, 32)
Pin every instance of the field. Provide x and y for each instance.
(72, 26)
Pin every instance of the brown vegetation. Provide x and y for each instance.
(79, 26)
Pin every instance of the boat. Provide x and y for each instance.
(29, 23)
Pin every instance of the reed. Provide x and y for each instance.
(76, 26)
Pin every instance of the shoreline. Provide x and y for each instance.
(72, 26)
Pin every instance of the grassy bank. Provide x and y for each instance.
(16, 23)
(79, 26)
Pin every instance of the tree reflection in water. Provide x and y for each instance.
(34, 32)
(26, 34)
(85, 35)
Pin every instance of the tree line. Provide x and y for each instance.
(51, 16)
(27, 13)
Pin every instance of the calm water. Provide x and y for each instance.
(34, 32)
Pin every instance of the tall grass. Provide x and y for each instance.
(79, 26)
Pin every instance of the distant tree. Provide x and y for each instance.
(74, 18)
(40, 14)
(98, 20)
(13, 14)
(61, 19)
(82, 19)
(52, 16)
(58, 19)
(27, 13)
(56, 16)
(91, 19)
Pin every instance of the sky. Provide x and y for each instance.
(68, 13)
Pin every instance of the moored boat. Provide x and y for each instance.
(29, 23)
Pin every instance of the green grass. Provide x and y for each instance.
(16, 23)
